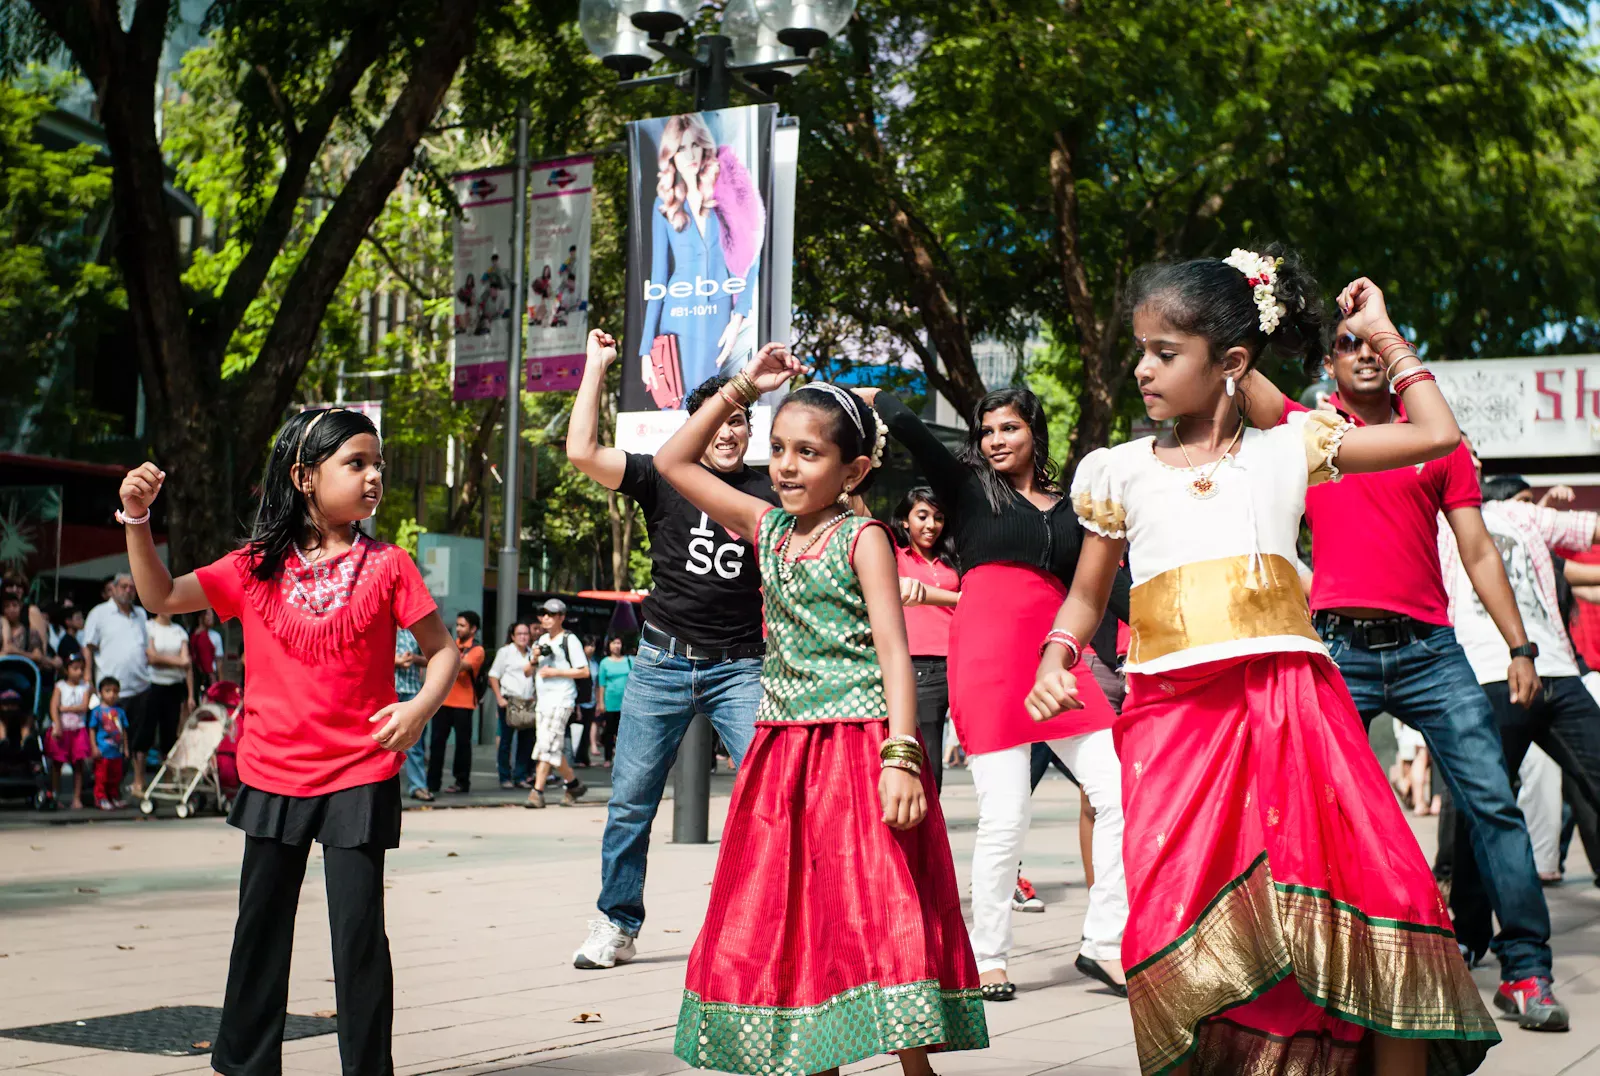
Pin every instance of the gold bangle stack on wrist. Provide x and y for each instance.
(741, 391)
(902, 753)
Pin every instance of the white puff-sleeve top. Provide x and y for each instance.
(1213, 577)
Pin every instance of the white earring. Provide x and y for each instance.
(844, 497)
(1230, 385)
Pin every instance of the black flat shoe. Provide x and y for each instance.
(1093, 970)
(999, 991)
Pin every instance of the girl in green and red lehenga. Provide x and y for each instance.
(835, 930)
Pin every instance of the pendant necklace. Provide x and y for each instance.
(1203, 486)
(785, 565)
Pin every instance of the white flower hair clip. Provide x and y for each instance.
(1261, 273)
(881, 440)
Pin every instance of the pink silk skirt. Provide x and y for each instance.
(830, 937)
(1280, 906)
(1005, 612)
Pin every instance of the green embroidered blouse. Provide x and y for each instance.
(820, 665)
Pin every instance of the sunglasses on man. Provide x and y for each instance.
(1346, 344)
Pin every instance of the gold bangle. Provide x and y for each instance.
(902, 750)
(744, 387)
(900, 764)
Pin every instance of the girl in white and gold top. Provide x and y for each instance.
(1281, 910)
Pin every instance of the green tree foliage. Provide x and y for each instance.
(978, 170)
(52, 203)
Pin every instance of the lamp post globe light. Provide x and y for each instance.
(759, 41)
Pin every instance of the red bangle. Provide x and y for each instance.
(1412, 378)
(1067, 640)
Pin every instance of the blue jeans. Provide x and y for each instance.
(514, 756)
(663, 695)
(1429, 685)
(415, 769)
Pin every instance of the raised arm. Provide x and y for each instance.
(158, 591)
(678, 461)
(1429, 431)
(1581, 575)
(1054, 688)
(602, 463)
(1480, 557)
(944, 472)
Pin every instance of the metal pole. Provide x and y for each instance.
(691, 779)
(691, 785)
(511, 539)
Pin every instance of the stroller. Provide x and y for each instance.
(23, 774)
(200, 764)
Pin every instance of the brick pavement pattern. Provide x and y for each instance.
(485, 907)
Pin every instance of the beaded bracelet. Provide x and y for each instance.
(132, 521)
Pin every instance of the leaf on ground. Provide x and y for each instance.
(125, 948)
(451, 855)
(326, 1014)
(37, 847)
(586, 1018)
(203, 1044)
(87, 889)
(116, 848)
(671, 930)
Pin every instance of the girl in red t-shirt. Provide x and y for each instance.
(929, 589)
(324, 737)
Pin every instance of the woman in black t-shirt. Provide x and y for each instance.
(1017, 540)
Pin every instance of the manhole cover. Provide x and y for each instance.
(173, 1031)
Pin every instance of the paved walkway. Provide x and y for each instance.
(485, 907)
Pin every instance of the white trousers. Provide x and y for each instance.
(1540, 800)
(1005, 807)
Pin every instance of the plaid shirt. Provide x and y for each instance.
(1544, 531)
(407, 681)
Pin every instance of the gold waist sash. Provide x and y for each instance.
(1216, 601)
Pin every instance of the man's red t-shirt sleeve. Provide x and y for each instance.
(1461, 488)
(412, 601)
(224, 584)
(1290, 405)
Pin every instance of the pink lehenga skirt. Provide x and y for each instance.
(1281, 910)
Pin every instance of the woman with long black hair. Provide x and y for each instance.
(1017, 542)
(930, 586)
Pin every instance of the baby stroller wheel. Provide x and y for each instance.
(146, 807)
(182, 810)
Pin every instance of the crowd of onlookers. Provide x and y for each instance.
(115, 682)
(558, 699)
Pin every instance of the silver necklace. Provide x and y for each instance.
(785, 565)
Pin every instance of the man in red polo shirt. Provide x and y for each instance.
(1380, 604)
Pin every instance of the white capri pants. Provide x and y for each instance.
(1540, 800)
(1005, 807)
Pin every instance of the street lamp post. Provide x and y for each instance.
(760, 42)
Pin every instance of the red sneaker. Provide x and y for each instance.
(1533, 1004)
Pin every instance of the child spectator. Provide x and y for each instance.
(68, 740)
(110, 733)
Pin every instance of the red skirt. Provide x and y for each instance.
(830, 937)
(1280, 906)
(1005, 612)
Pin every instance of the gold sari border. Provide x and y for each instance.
(1302, 931)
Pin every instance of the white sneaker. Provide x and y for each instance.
(607, 946)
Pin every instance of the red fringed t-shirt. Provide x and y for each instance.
(319, 662)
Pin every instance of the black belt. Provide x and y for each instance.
(1384, 633)
(694, 651)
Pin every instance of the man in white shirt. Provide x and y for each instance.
(1563, 719)
(115, 641)
(561, 664)
(511, 681)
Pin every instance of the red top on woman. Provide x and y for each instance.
(927, 626)
(319, 662)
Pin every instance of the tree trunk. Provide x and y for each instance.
(473, 468)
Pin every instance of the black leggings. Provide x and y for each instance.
(457, 719)
(933, 702)
(250, 1041)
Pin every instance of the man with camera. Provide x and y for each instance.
(699, 652)
(561, 665)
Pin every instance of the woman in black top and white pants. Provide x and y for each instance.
(1017, 541)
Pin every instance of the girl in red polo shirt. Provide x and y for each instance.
(929, 589)
(324, 737)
